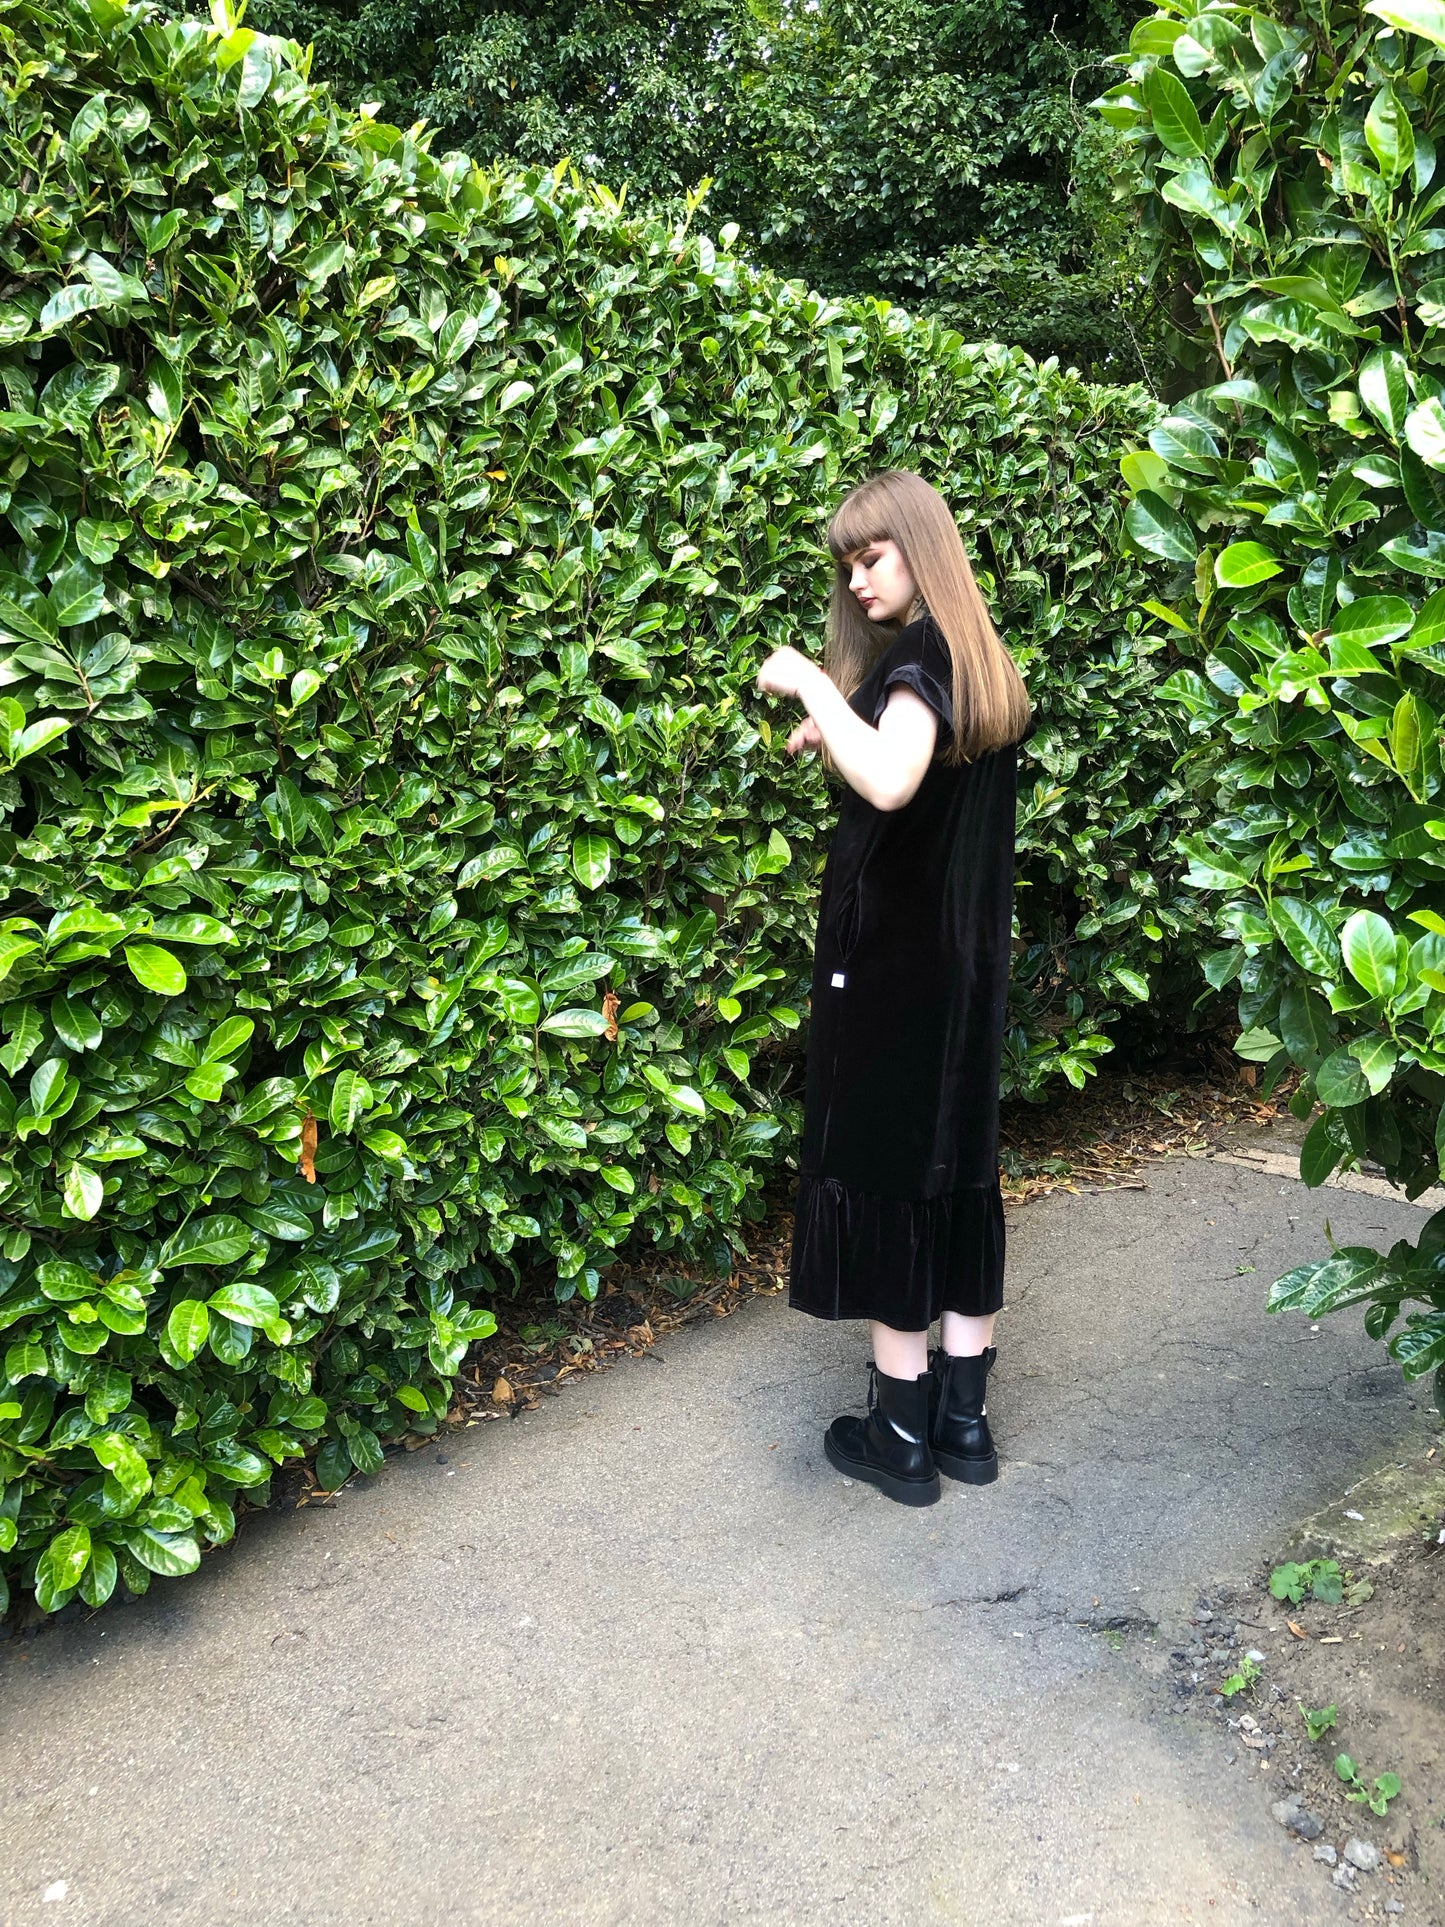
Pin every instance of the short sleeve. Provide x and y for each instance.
(923, 665)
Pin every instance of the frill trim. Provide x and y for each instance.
(902, 1261)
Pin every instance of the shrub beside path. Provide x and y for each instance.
(639, 1656)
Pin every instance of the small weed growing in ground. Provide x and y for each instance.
(1015, 1165)
(537, 1338)
(678, 1286)
(1321, 1578)
(1244, 1681)
(1319, 1720)
(1377, 1797)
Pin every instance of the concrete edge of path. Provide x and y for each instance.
(1285, 1164)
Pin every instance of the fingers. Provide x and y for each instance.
(773, 676)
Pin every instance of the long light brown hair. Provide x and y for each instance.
(990, 703)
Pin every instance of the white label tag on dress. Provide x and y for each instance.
(837, 980)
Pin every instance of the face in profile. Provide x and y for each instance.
(880, 581)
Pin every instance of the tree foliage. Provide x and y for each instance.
(1288, 155)
(933, 153)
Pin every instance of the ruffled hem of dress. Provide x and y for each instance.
(902, 1261)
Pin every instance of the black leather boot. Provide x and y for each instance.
(889, 1448)
(958, 1426)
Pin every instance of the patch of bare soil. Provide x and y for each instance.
(1375, 1660)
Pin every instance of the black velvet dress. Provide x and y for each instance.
(899, 1216)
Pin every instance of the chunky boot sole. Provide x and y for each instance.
(905, 1491)
(971, 1471)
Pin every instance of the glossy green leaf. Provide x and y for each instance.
(1378, 1057)
(1244, 563)
(231, 1035)
(123, 1461)
(172, 1554)
(26, 1360)
(1368, 944)
(365, 1450)
(1142, 469)
(188, 1327)
(77, 594)
(1425, 431)
(66, 1558)
(155, 969)
(217, 1240)
(164, 393)
(1426, 18)
(1320, 1153)
(591, 860)
(389, 1145)
(97, 1582)
(1390, 135)
(351, 1098)
(193, 927)
(1372, 620)
(575, 1023)
(1307, 936)
(1340, 1081)
(1160, 529)
(83, 1191)
(245, 1303)
(1174, 115)
(75, 1023)
(208, 1081)
(65, 1281)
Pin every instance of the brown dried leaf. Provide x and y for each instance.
(308, 1148)
(610, 1004)
(1296, 1628)
(502, 1392)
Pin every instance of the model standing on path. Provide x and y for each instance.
(899, 1219)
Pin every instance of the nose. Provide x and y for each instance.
(858, 579)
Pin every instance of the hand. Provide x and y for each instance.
(806, 736)
(786, 672)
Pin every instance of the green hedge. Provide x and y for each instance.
(404, 884)
(1288, 165)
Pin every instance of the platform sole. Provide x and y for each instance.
(970, 1471)
(905, 1491)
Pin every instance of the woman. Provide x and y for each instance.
(899, 1220)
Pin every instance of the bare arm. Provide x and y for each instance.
(884, 764)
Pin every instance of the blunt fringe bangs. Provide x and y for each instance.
(990, 703)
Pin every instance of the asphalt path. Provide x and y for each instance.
(642, 1656)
